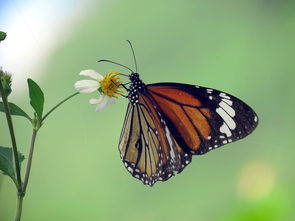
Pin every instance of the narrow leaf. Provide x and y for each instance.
(15, 110)
(7, 163)
(36, 96)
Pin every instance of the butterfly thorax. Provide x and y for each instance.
(136, 87)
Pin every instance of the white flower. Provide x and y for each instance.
(108, 86)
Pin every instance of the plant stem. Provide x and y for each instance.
(19, 207)
(56, 106)
(30, 158)
(29, 164)
(13, 141)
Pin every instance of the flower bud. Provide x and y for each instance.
(2, 35)
(5, 78)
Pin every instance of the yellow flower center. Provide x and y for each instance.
(110, 84)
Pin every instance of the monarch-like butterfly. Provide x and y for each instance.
(167, 123)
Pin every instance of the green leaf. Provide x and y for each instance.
(15, 110)
(37, 97)
(2, 35)
(7, 163)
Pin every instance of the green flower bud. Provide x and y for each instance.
(2, 35)
(5, 78)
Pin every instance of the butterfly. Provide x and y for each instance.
(167, 123)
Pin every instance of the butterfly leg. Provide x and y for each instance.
(123, 85)
(124, 95)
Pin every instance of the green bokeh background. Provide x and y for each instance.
(245, 48)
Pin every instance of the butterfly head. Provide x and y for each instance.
(134, 77)
(136, 87)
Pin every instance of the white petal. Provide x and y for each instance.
(96, 101)
(111, 100)
(86, 86)
(105, 101)
(91, 73)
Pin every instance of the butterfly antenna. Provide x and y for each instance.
(133, 55)
(125, 75)
(116, 64)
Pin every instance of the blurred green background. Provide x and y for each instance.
(245, 48)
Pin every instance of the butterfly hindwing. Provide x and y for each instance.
(202, 119)
(148, 150)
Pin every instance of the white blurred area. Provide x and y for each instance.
(34, 29)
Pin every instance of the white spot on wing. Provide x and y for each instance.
(227, 108)
(170, 142)
(224, 129)
(224, 96)
(209, 90)
(255, 119)
(229, 102)
(228, 120)
(130, 169)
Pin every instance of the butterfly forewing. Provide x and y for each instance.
(202, 119)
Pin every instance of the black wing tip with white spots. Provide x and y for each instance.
(238, 119)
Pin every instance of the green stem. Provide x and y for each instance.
(19, 207)
(13, 141)
(56, 106)
(30, 158)
(29, 164)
